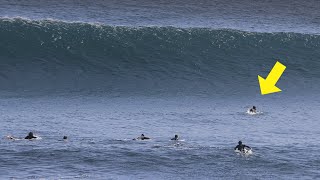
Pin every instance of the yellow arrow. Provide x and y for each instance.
(268, 85)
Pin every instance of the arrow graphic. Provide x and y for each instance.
(268, 85)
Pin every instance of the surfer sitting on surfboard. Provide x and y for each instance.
(30, 136)
(241, 146)
(175, 138)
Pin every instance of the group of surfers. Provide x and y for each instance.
(31, 136)
(240, 147)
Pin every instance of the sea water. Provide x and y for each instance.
(105, 72)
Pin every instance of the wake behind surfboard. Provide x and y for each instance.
(253, 113)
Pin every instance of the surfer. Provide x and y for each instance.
(175, 138)
(30, 136)
(253, 110)
(241, 146)
(142, 137)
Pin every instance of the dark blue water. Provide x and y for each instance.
(102, 73)
(275, 16)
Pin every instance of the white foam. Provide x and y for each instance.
(253, 113)
(246, 152)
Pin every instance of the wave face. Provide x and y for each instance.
(54, 56)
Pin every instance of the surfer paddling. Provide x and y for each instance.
(142, 137)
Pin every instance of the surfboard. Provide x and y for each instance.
(253, 113)
(246, 151)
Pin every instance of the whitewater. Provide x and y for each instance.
(105, 72)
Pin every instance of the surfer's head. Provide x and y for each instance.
(142, 135)
(65, 137)
(239, 142)
(254, 107)
(176, 136)
(30, 134)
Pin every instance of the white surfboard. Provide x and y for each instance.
(246, 151)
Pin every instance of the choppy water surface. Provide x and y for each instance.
(100, 130)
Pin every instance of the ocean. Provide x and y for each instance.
(104, 72)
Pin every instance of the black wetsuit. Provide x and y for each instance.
(141, 138)
(241, 147)
(144, 138)
(30, 137)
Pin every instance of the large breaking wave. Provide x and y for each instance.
(54, 56)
